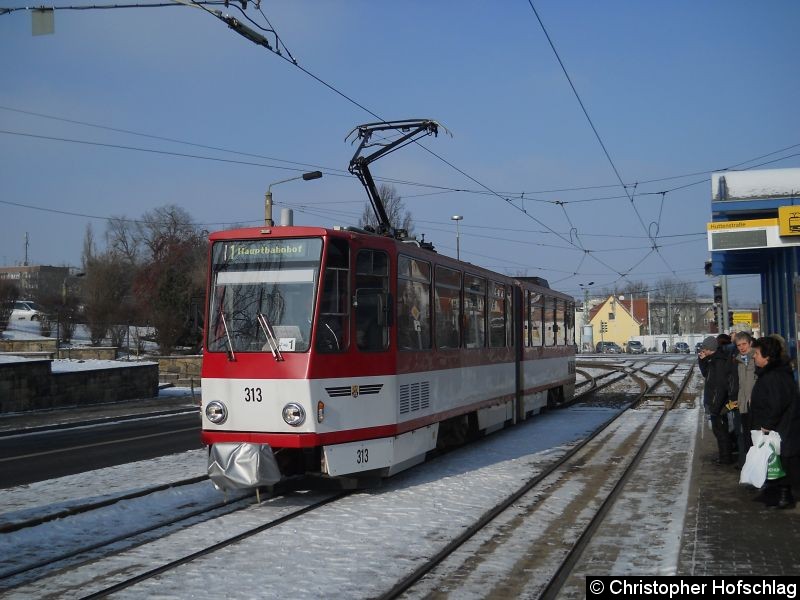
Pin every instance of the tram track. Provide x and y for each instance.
(525, 502)
(77, 551)
(624, 371)
(565, 569)
(131, 581)
(85, 507)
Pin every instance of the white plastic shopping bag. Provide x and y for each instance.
(764, 447)
(754, 470)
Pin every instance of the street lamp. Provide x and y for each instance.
(586, 340)
(585, 287)
(268, 196)
(457, 218)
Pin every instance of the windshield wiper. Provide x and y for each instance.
(231, 355)
(270, 335)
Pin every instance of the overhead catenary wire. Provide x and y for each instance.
(343, 172)
(561, 203)
(600, 140)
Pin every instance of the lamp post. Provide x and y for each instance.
(268, 196)
(457, 218)
(585, 287)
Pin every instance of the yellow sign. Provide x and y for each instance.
(733, 225)
(743, 318)
(788, 220)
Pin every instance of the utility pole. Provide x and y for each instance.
(669, 322)
(724, 321)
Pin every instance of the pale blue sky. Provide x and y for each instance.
(672, 88)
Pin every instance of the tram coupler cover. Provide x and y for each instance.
(242, 465)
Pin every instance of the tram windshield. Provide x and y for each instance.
(262, 295)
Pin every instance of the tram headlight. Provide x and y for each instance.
(294, 414)
(216, 412)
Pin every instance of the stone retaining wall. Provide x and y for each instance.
(47, 348)
(17, 346)
(184, 366)
(31, 385)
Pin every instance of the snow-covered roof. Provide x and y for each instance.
(13, 358)
(752, 185)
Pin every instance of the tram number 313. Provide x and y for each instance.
(362, 456)
(252, 394)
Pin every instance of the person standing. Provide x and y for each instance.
(743, 378)
(664, 346)
(716, 366)
(774, 406)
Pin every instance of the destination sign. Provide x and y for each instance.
(261, 251)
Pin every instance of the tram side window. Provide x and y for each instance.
(535, 307)
(497, 315)
(333, 327)
(558, 324)
(372, 297)
(413, 304)
(549, 322)
(448, 307)
(510, 317)
(526, 319)
(475, 311)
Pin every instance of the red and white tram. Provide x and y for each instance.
(348, 354)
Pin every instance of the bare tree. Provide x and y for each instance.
(162, 227)
(399, 217)
(124, 240)
(172, 275)
(108, 301)
(674, 306)
(674, 289)
(152, 272)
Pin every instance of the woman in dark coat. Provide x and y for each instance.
(774, 405)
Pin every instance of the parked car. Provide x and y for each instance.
(681, 348)
(608, 348)
(635, 347)
(26, 310)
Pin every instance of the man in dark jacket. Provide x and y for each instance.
(716, 365)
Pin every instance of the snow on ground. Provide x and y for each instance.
(94, 485)
(69, 365)
(354, 548)
(642, 532)
(30, 330)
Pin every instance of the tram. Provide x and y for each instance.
(348, 354)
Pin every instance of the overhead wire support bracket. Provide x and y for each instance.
(243, 30)
(412, 130)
